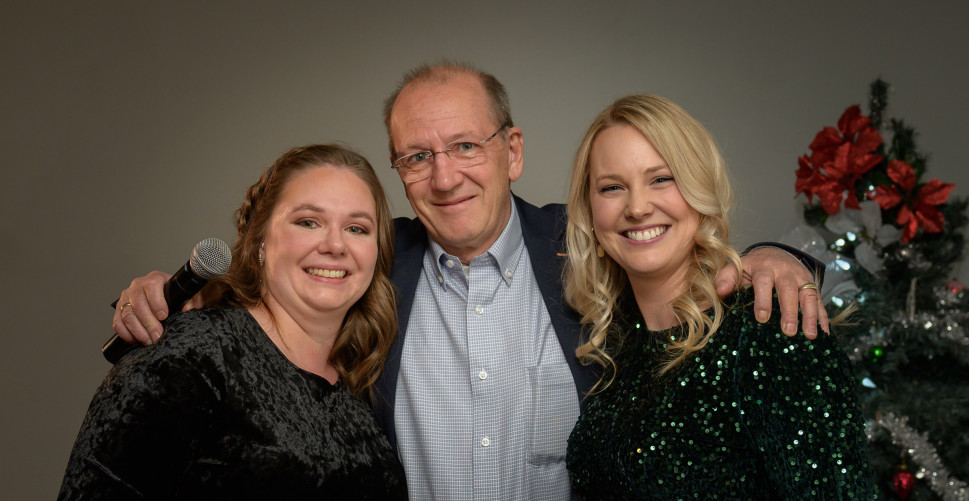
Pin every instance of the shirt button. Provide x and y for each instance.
(440, 279)
(482, 375)
(479, 309)
(449, 263)
(485, 442)
(508, 273)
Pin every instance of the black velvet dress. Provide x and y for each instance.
(214, 410)
(753, 415)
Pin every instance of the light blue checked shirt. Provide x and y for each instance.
(485, 400)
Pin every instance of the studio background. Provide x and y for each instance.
(130, 131)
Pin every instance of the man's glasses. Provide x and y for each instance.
(464, 152)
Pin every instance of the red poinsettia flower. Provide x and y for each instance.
(919, 201)
(838, 159)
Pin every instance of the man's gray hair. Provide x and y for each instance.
(441, 73)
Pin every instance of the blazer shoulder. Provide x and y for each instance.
(550, 218)
(408, 232)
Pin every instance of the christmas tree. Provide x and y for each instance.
(891, 241)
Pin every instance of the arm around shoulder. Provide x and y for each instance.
(813, 265)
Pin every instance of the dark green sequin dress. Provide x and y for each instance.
(754, 415)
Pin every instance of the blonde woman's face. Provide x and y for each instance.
(640, 217)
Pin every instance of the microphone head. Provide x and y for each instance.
(210, 258)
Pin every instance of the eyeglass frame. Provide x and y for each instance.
(447, 148)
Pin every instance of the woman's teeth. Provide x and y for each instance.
(649, 234)
(319, 272)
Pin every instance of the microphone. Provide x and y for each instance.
(210, 258)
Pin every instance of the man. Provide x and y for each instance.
(481, 388)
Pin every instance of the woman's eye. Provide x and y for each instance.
(358, 230)
(663, 179)
(306, 223)
(611, 187)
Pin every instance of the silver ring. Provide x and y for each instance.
(121, 312)
(809, 285)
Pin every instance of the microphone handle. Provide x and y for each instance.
(116, 348)
(181, 287)
(178, 290)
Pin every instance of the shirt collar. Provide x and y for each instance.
(504, 254)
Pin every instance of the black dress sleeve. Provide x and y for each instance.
(145, 418)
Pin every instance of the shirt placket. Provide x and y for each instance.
(483, 346)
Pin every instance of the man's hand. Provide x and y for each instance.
(767, 269)
(142, 307)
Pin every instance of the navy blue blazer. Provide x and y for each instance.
(544, 233)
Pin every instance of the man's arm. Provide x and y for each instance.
(770, 267)
(766, 266)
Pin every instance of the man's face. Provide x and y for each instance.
(464, 208)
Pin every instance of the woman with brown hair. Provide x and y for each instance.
(264, 394)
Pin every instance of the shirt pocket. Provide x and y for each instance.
(553, 408)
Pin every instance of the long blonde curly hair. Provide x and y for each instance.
(594, 285)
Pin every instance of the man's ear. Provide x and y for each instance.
(516, 153)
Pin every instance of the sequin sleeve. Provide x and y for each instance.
(797, 400)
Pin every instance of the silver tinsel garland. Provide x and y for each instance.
(917, 446)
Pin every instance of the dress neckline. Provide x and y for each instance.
(268, 342)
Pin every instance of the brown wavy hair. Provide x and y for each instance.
(370, 325)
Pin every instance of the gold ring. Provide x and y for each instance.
(123, 307)
(809, 285)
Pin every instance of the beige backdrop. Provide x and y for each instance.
(129, 130)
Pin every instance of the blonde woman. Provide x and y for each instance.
(697, 399)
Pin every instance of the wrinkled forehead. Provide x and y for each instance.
(434, 111)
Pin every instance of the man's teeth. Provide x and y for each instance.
(651, 233)
(320, 272)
